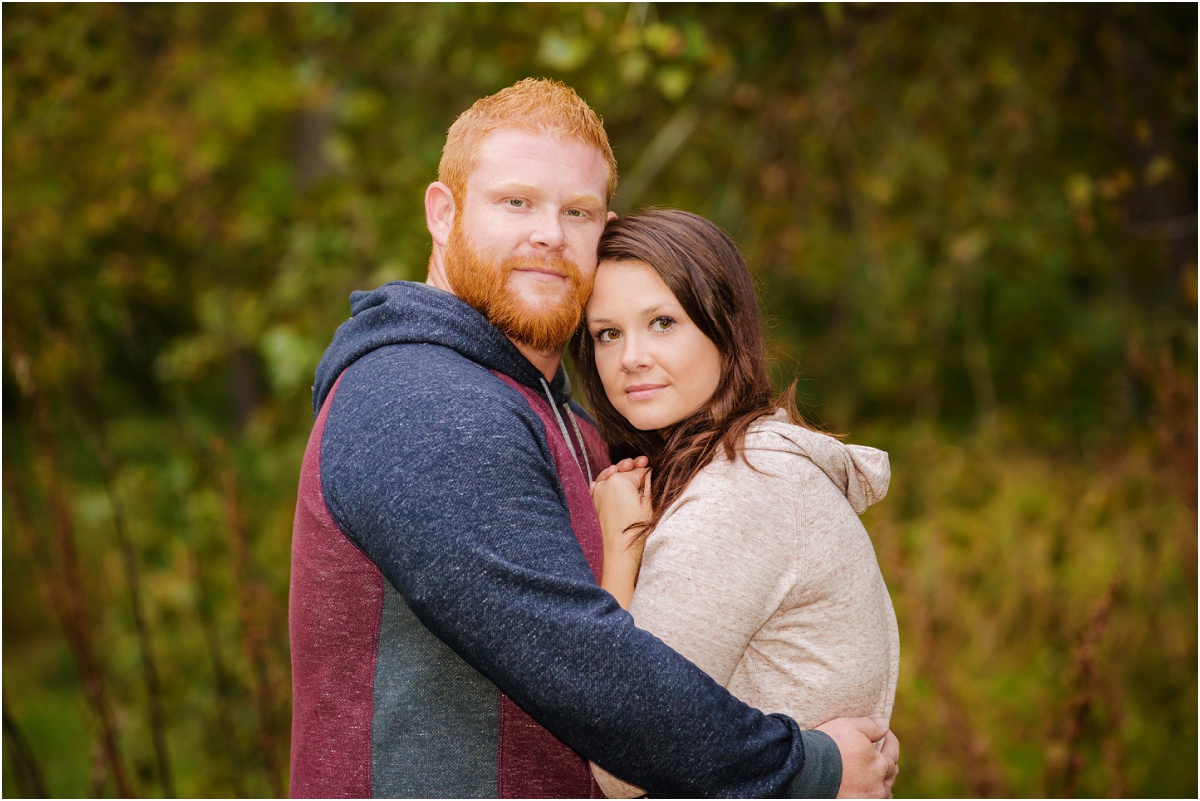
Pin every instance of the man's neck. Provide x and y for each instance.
(546, 361)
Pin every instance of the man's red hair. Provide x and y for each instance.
(537, 105)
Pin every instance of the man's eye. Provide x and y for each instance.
(516, 202)
(607, 335)
(661, 323)
(576, 213)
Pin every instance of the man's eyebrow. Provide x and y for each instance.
(514, 189)
(593, 201)
(505, 189)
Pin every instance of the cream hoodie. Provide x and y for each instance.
(766, 579)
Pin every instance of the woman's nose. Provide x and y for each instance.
(634, 354)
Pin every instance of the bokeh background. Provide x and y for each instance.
(975, 232)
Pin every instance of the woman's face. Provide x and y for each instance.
(656, 365)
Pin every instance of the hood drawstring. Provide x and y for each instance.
(586, 466)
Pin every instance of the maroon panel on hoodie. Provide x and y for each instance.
(334, 613)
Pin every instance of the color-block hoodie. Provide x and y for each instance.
(448, 634)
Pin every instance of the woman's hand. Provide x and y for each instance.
(623, 466)
(622, 498)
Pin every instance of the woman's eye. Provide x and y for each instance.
(607, 335)
(661, 323)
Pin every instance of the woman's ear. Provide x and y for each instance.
(439, 212)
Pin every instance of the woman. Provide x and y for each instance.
(755, 564)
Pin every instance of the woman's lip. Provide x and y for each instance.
(643, 391)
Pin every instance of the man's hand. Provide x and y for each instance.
(866, 773)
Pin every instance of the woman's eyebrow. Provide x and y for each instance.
(649, 310)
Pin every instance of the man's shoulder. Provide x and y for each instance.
(406, 395)
(424, 372)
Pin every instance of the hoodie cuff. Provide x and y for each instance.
(821, 776)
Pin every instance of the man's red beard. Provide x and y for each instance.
(484, 285)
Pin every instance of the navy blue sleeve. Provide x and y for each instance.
(449, 487)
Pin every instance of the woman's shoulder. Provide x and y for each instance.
(776, 445)
(756, 478)
(775, 432)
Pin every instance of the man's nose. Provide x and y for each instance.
(548, 232)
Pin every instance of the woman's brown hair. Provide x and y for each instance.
(704, 269)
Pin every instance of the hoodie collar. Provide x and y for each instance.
(861, 473)
(403, 312)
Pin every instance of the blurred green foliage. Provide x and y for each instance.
(974, 228)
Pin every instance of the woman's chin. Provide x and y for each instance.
(649, 422)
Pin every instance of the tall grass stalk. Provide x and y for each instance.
(254, 606)
(129, 562)
(29, 773)
(65, 585)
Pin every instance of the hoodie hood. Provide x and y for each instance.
(860, 472)
(403, 312)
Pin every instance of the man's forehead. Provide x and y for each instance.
(521, 159)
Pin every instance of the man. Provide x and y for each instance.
(448, 634)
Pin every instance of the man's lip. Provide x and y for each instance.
(540, 271)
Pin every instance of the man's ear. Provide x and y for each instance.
(612, 215)
(439, 212)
